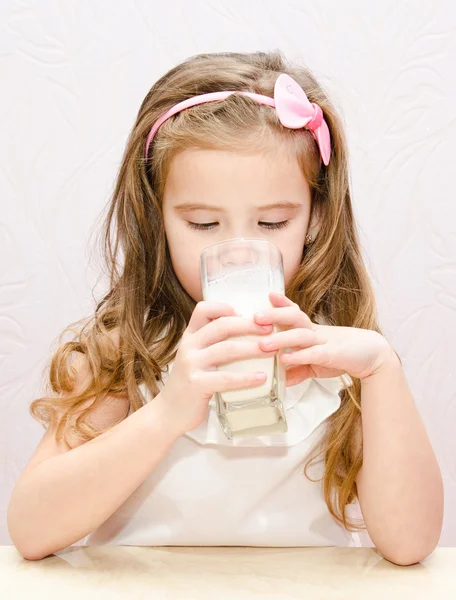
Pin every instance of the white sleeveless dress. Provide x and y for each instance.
(210, 491)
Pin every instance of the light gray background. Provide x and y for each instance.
(73, 75)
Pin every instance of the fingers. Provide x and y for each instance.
(291, 338)
(205, 312)
(278, 299)
(233, 350)
(226, 327)
(290, 316)
(221, 381)
(314, 355)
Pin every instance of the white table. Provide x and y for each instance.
(202, 573)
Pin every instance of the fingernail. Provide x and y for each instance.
(259, 376)
(267, 342)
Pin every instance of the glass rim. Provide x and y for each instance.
(240, 239)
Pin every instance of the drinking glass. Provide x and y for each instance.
(241, 272)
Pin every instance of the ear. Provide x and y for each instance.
(314, 221)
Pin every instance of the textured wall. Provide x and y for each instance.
(73, 75)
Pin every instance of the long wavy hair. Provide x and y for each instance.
(137, 324)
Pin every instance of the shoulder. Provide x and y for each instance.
(104, 415)
(100, 413)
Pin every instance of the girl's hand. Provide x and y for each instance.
(319, 350)
(194, 377)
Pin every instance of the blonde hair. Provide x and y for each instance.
(134, 330)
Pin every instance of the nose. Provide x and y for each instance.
(237, 253)
(229, 255)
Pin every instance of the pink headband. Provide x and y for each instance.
(290, 101)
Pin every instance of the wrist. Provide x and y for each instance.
(387, 361)
(163, 418)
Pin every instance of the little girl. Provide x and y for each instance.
(228, 146)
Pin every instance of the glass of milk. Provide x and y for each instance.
(241, 272)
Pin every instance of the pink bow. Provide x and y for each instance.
(295, 111)
(290, 101)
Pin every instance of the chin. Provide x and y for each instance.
(195, 295)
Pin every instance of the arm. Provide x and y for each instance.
(65, 497)
(399, 485)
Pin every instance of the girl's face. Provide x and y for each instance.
(213, 195)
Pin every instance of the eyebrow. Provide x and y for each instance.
(187, 206)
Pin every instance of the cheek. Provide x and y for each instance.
(292, 251)
(185, 257)
(291, 265)
(187, 272)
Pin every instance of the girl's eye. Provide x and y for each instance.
(264, 224)
(278, 225)
(203, 226)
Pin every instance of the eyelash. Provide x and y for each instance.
(208, 226)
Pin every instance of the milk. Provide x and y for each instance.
(247, 291)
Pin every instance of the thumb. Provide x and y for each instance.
(297, 374)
